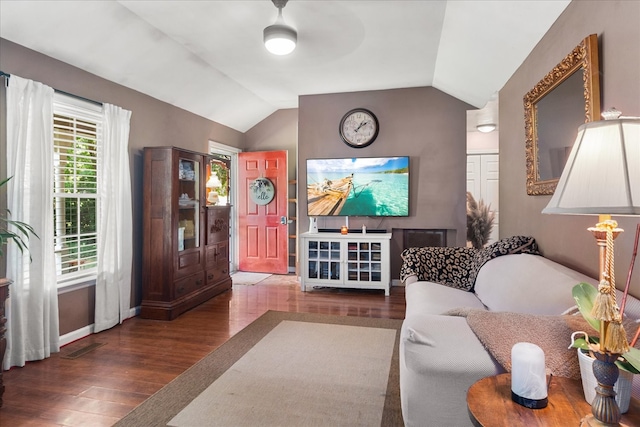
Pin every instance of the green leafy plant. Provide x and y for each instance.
(22, 230)
(585, 294)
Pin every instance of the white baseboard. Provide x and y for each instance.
(76, 335)
(89, 329)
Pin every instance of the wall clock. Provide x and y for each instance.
(358, 128)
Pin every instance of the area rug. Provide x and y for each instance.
(248, 278)
(182, 399)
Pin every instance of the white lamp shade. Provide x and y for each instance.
(213, 182)
(602, 174)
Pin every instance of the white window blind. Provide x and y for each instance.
(77, 132)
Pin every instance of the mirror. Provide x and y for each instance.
(563, 100)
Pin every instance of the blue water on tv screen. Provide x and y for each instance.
(360, 186)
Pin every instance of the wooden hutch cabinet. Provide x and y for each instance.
(186, 241)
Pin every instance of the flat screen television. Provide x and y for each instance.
(359, 186)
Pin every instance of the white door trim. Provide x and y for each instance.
(219, 148)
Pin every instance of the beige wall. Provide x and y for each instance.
(564, 238)
(153, 123)
(423, 123)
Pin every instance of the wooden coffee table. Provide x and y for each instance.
(490, 405)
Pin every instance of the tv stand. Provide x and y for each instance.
(353, 231)
(353, 260)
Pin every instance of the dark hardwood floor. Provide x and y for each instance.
(140, 356)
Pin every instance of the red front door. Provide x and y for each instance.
(262, 220)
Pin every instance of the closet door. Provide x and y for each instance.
(483, 182)
(490, 188)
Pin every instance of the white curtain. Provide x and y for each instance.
(115, 247)
(32, 307)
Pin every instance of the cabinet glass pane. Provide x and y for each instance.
(376, 276)
(313, 245)
(364, 246)
(364, 276)
(376, 256)
(335, 246)
(313, 254)
(324, 245)
(335, 255)
(313, 269)
(375, 246)
(324, 254)
(364, 256)
(188, 204)
(335, 270)
(324, 270)
(353, 256)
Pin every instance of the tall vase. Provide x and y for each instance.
(604, 407)
(622, 387)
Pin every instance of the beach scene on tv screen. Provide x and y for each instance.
(364, 186)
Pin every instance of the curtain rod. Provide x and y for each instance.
(7, 75)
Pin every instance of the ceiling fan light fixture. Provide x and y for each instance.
(280, 38)
(486, 127)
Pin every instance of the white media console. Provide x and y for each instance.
(353, 260)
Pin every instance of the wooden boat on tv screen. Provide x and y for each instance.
(328, 197)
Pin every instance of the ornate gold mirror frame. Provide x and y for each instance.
(554, 109)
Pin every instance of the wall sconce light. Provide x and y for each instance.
(280, 38)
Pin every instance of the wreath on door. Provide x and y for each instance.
(262, 191)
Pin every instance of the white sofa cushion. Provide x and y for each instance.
(434, 298)
(529, 284)
(440, 357)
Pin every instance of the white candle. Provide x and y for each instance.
(528, 375)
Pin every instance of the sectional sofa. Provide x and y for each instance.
(465, 308)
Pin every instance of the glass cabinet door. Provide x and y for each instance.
(364, 261)
(188, 204)
(324, 260)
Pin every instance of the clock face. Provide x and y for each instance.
(359, 128)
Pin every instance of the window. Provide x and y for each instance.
(77, 129)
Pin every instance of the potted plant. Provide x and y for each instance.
(585, 295)
(22, 230)
(600, 309)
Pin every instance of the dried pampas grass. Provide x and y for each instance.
(480, 220)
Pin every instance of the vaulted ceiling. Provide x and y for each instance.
(207, 57)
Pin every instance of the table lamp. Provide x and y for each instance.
(212, 184)
(602, 177)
